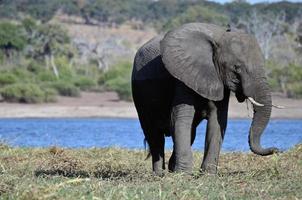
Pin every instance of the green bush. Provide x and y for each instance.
(121, 86)
(50, 95)
(11, 36)
(46, 76)
(7, 78)
(23, 75)
(66, 89)
(121, 69)
(286, 79)
(85, 83)
(66, 72)
(35, 67)
(118, 79)
(22, 93)
(295, 90)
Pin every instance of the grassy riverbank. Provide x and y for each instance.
(54, 173)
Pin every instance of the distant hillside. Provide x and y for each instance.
(160, 14)
(106, 45)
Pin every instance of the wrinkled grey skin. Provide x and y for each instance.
(185, 76)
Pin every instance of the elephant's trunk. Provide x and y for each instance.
(260, 120)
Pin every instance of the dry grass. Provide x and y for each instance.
(55, 173)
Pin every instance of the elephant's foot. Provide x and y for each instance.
(208, 169)
(184, 162)
(158, 166)
(187, 167)
(159, 173)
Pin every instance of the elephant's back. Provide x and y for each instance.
(148, 64)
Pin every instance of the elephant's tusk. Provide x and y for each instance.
(254, 102)
(277, 106)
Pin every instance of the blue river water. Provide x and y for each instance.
(126, 133)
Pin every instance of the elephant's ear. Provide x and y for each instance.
(188, 56)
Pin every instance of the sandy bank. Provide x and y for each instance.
(108, 105)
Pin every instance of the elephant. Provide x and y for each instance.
(186, 75)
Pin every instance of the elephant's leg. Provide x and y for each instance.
(182, 120)
(216, 126)
(172, 161)
(156, 141)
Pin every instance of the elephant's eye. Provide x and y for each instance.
(237, 68)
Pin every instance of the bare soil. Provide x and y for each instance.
(107, 104)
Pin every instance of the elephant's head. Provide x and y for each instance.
(208, 60)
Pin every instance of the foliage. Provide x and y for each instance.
(67, 73)
(11, 38)
(198, 14)
(65, 89)
(157, 13)
(287, 79)
(52, 37)
(7, 78)
(121, 86)
(40, 50)
(85, 83)
(294, 89)
(46, 76)
(50, 95)
(95, 173)
(22, 74)
(23, 93)
(117, 79)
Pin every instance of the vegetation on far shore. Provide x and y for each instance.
(37, 64)
(39, 59)
(56, 173)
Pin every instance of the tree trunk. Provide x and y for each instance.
(54, 67)
(102, 64)
(46, 61)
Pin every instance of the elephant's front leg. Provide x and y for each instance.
(217, 120)
(182, 120)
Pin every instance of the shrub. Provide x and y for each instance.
(46, 76)
(65, 71)
(22, 93)
(23, 75)
(7, 78)
(295, 90)
(35, 67)
(66, 89)
(121, 86)
(286, 79)
(85, 83)
(50, 95)
(118, 79)
(11, 36)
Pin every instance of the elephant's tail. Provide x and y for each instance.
(147, 148)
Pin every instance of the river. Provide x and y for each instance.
(126, 133)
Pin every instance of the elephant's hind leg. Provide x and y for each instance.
(156, 142)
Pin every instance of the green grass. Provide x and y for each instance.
(55, 173)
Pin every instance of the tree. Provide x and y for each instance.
(50, 40)
(11, 39)
(198, 14)
(264, 27)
